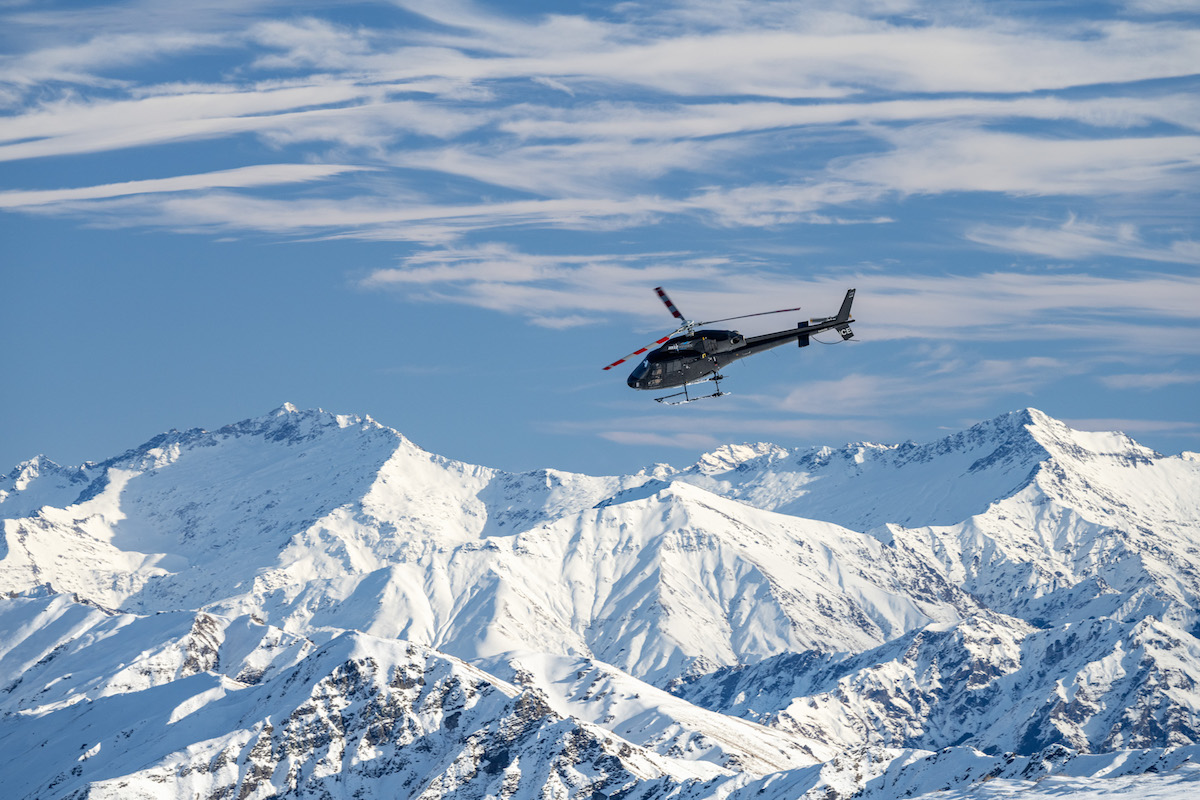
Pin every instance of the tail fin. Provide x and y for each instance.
(844, 313)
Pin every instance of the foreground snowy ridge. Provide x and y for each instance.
(308, 604)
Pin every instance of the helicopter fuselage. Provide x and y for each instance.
(686, 359)
(698, 355)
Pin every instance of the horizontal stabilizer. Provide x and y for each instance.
(802, 339)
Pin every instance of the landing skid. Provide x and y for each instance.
(667, 399)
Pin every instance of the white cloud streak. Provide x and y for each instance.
(1137, 426)
(951, 158)
(1148, 382)
(1150, 313)
(697, 429)
(969, 385)
(314, 113)
(459, 98)
(84, 63)
(740, 118)
(1075, 240)
(816, 54)
(245, 177)
(628, 121)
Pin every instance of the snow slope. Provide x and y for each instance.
(308, 604)
(352, 715)
(403, 544)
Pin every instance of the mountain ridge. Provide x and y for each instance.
(1015, 587)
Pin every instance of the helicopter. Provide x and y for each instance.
(687, 355)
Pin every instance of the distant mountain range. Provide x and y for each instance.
(308, 604)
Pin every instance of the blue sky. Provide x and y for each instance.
(451, 215)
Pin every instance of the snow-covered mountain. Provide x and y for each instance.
(309, 604)
(1034, 519)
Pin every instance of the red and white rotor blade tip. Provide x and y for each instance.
(667, 301)
(639, 352)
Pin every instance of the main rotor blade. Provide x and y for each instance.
(639, 352)
(670, 306)
(743, 316)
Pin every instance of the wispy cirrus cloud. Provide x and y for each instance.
(1136, 426)
(1157, 311)
(462, 97)
(87, 62)
(244, 177)
(688, 440)
(396, 98)
(810, 422)
(500, 278)
(579, 168)
(629, 121)
(399, 214)
(554, 167)
(934, 159)
(943, 378)
(1149, 381)
(696, 429)
(796, 50)
(315, 113)
(1075, 239)
(970, 384)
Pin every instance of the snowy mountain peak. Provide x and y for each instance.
(1062, 440)
(318, 416)
(1015, 586)
(291, 425)
(28, 471)
(39, 482)
(1007, 436)
(1033, 433)
(732, 456)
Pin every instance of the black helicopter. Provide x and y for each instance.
(688, 356)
